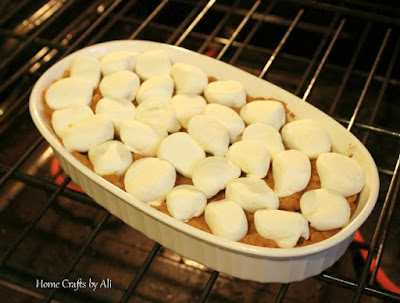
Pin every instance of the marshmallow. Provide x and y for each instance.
(325, 209)
(212, 136)
(158, 87)
(264, 111)
(229, 93)
(87, 133)
(111, 157)
(187, 106)
(63, 119)
(226, 219)
(340, 174)
(251, 194)
(306, 136)
(152, 63)
(69, 91)
(251, 156)
(117, 61)
(86, 68)
(149, 179)
(291, 170)
(188, 79)
(185, 202)
(266, 134)
(116, 111)
(182, 151)
(159, 114)
(120, 86)
(211, 174)
(284, 227)
(141, 138)
(227, 117)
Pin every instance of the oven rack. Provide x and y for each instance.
(36, 34)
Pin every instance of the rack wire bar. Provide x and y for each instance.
(11, 13)
(79, 255)
(209, 286)
(138, 277)
(324, 58)
(378, 232)
(33, 222)
(282, 293)
(281, 43)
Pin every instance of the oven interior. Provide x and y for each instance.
(339, 55)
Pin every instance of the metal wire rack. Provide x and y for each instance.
(341, 56)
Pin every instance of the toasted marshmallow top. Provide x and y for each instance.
(185, 202)
(340, 174)
(226, 219)
(86, 68)
(120, 86)
(325, 209)
(228, 117)
(87, 133)
(188, 79)
(159, 114)
(264, 111)
(251, 156)
(306, 136)
(284, 227)
(187, 106)
(266, 134)
(117, 61)
(149, 179)
(63, 119)
(291, 171)
(141, 138)
(211, 174)
(212, 136)
(68, 91)
(229, 93)
(152, 63)
(111, 157)
(116, 111)
(158, 87)
(182, 151)
(251, 194)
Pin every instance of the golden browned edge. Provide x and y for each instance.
(290, 203)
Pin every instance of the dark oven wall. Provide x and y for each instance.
(340, 56)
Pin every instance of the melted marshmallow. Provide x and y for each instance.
(152, 63)
(226, 219)
(68, 91)
(212, 136)
(229, 93)
(291, 170)
(111, 157)
(87, 133)
(340, 174)
(251, 194)
(185, 202)
(63, 119)
(118, 61)
(86, 68)
(251, 156)
(182, 151)
(325, 209)
(141, 138)
(187, 106)
(116, 111)
(149, 179)
(284, 227)
(264, 111)
(158, 87)
(227, 117)
(306, 136)
(120, 86)
(188, 79)
(211, 174)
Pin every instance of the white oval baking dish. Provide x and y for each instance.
(236, 259)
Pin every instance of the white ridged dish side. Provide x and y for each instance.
(233, 258)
